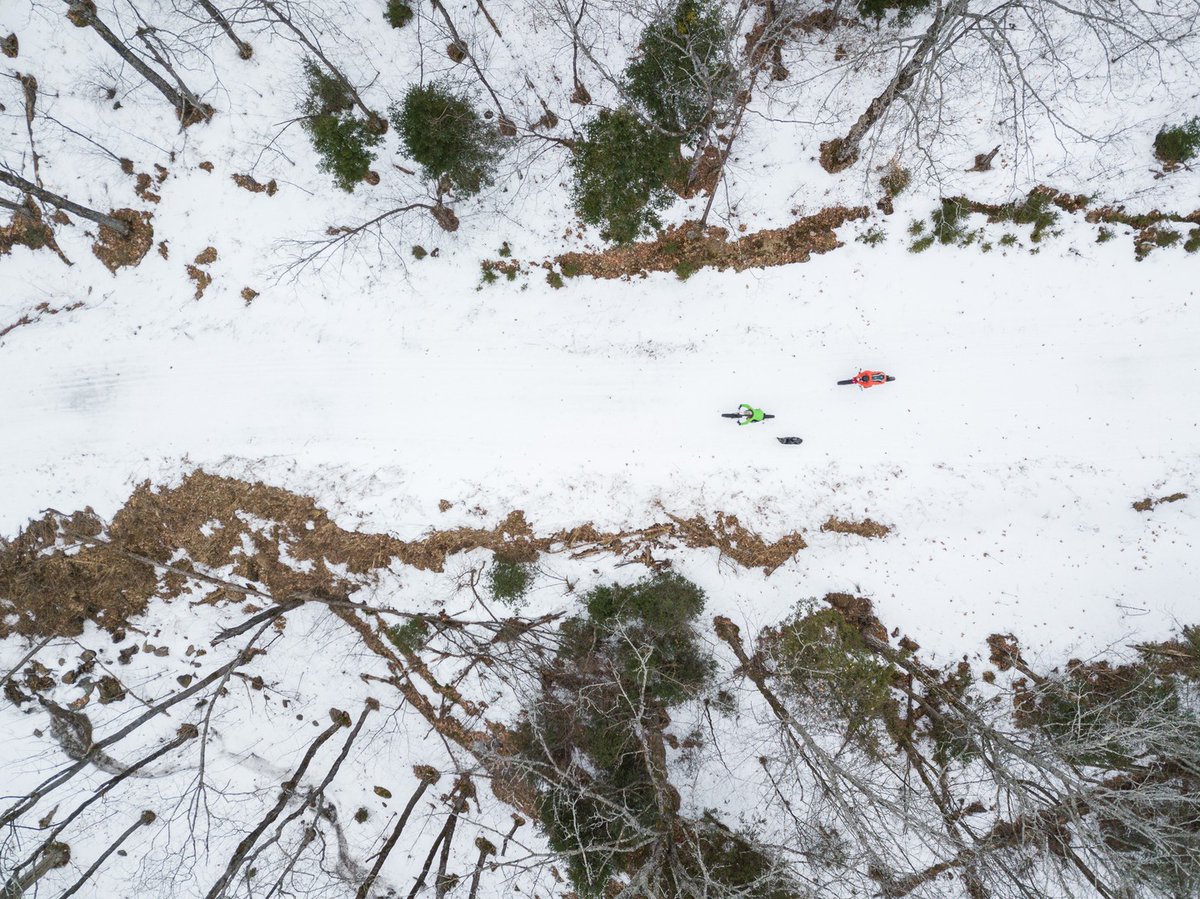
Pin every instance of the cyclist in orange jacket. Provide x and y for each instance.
(866, 378)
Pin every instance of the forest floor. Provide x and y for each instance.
(374, 428)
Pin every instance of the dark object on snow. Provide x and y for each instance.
(790, 441)
(983, 161)
(867, 379)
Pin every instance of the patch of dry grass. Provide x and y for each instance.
(118, 251)
(710, 247)
(865, 528)
(53, 591)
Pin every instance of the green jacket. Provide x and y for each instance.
(755, 414)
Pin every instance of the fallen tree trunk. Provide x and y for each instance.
(61, 202)
(842, 152)
(82, 13)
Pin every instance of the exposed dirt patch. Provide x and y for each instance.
(825, 20)
(445, 217)
(745, 547)
(1040, 209)
(1005, 651)
(142, 188)
(207, 166)
(687, 245)
(1145, 505)
(213, 520)
(833, 157)
(248, 294)
(199, 276)
(708, 173)
(10, 46)
(859, 613)
(194, 115)
(116, 250)
(247, 183)
(510, 268)
(163, 251)
(865, 528)
(51, 592)
(1039, 196)
(29, 228)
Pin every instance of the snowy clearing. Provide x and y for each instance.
(234, 681)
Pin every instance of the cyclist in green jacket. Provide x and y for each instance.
(750, 415)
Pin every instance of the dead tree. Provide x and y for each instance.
(186, 732)
(485, 848)
(427, 776)
(45, 787)
(287, 791)
(375, 121)
(21, 212)
(507, 126)
(29, 87)
(347, 240)
(842, 152)
(443, 840)
(245, 51)
(55, 856)
(315, 797)
(1029, 51)
(188, 106)
(147, 817)
(12, 180)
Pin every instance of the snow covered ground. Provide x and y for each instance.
(1037, 397)
(1038, 394)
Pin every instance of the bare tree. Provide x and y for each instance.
(13, 180)
(841, 153)
(245, 51)
(1022, 51)
(188, 106)
(281, 13)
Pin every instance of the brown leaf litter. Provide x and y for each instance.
(142, 188)
(710, 247)
(859, 613)
(706, 175)
(199, 276)
(29, 228)
(865, 528)
(248, 183)
(116, 250)
(1145, 505)
(211, 518)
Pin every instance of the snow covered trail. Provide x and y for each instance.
(1037, 398)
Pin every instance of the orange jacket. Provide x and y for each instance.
(865, 379)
